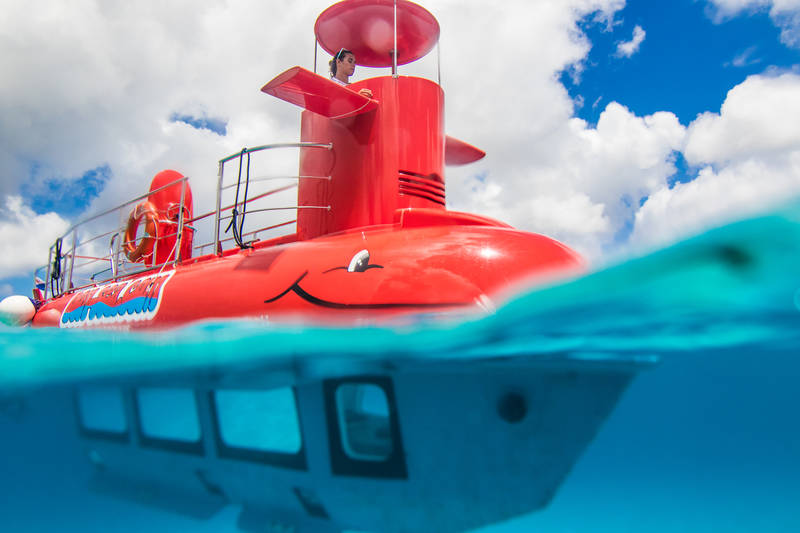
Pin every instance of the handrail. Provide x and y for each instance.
(240, 154)
(254, 198)
(69, 267)
(329, 146)
(72, 257)
(271, 178)
(180, 228)
(108, 211)
(94, 259)
(283, 209)
(254, 232)
(47, 278)
(78, 262)
(97, 237)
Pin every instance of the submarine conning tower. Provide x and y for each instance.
(388, 152)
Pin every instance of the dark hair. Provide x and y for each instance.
(332, 63)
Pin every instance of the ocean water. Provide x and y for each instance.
(708, 439)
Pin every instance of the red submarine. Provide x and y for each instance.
(428, 444)
(373, 235)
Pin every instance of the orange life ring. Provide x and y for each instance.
(133, 251)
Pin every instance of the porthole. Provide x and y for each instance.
(363, 427)
(363, 413)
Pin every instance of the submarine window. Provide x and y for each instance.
(101, 411)
(168, 418)
(364, 437)
(263, 420)
(258, 425)
(364, 418)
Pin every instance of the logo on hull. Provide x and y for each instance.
(116, 303)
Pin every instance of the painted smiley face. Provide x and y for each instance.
(359, 264)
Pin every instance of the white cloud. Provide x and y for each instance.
(628, 48)
(750, 153)
(576, 214)
(723, 9)
(714, 198)
(757, 119)
(547, 171)
(26, 237)
(577, 183)
(745, 58)
(784, 13)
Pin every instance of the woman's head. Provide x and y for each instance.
(343, 63)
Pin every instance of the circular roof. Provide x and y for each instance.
(366, 28)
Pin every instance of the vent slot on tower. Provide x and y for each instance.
(427, 187)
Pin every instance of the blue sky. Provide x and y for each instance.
(686, 63)
(606, 151)
(65, 196)
(217, 125)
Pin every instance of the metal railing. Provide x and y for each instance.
(221, 186)
(75, 263)
(63, 273)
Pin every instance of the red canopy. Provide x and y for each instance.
(366, 27)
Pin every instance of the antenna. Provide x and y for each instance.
(394, 49)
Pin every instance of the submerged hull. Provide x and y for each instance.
(426, 450)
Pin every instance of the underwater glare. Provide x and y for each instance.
(705, 438)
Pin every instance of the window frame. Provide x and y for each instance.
(294, 461)
(342, 464)
(123, 436)
(171, 445)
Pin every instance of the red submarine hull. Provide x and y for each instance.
(426, 262)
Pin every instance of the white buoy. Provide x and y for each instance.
(16, 310)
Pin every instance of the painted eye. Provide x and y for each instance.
(359, 262)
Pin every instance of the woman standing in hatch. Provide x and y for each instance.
(342, 66)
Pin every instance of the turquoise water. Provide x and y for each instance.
(706, 440)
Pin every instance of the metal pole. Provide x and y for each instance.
(439, 61)
(72, 259)
(47, 279)
(394, 52)
(113, 252)
(179, 242)
(217, 249)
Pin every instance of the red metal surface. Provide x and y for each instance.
(365, 27)
(419, 218)
(318, 94)
(457, 152)
(403, 138)
(424, 269)
(167, 204)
